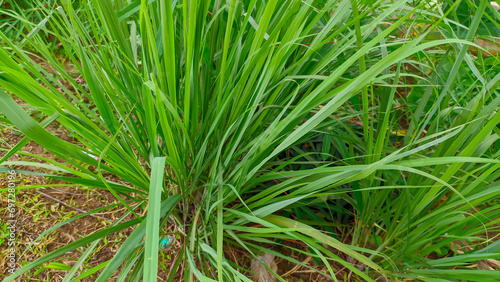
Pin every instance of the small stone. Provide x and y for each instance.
(260, 273)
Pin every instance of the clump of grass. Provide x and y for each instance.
(248, 123)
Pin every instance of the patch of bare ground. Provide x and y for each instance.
(38, 209)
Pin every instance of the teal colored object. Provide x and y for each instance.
(166, 242)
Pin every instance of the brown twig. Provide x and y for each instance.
(297, 266)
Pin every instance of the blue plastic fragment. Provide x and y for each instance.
(166, 242)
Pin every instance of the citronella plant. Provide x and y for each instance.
(253, 123)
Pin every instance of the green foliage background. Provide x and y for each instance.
(298, 117)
